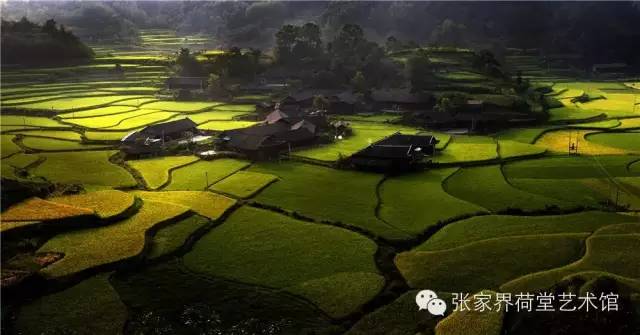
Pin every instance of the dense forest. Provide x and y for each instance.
(27, 42)
(585, 28)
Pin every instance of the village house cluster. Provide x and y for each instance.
(303, 119)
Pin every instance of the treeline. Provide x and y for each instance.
(24, 42)
(94, 21)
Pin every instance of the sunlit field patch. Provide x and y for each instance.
(182, 106)
(626, 141)
(170, 238)
(493, 226)
(51, 134)
(68, 104)
(414, 202)
(559, 141)
(225, 125)
(200, 175)
(87, 248)
(208, 204)
(523, 135)
(91, 113)
(89, 167)
(326, 194)
(8, 146)
(328, 261)
(51, 144)
(143, 120)
(572, 113)
(155, 171)
(10, 165)
(487, 187)
(42, 99)
(243, 184)
(30, 121)
(468, 148)
(432, 268)
(36, 209)
(607, 254)
(106, 135)
(512, 149)
(106, 204)
(201, 118)
(109, 121)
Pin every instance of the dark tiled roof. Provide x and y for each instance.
(297, 135)
(385, 151)
(246, 141)
(402, 139)
(260, 129)
(397, 146)
(290, 116)
(168, 128)
(305, 124)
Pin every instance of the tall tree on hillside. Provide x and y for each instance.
(392, 44)
(298, 44)
(188, 65)
(419, 71)
(285, 41)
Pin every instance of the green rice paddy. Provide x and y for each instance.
(315, 234)
(200, 175)
(155, 171)
(627, 141)
(468, 149)
(433, 268)
(68, 311)
(421, 193)
(322, 193)
(95, 166)
(91, 247)
(330, 255)
(243, 184)
(487, 187)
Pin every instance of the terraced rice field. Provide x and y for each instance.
(341, 196)
(316, 276)
(468, 149)
(88, 248)
(510, 211)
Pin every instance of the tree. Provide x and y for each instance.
(49, 27)
(359, 83)
(486, 62)
(450, 103)
(285, 41)
(215, 86)
(348, 40)
(188, 65)
(297, 44)
(321, 103)
(392, 44)
(419, 71)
